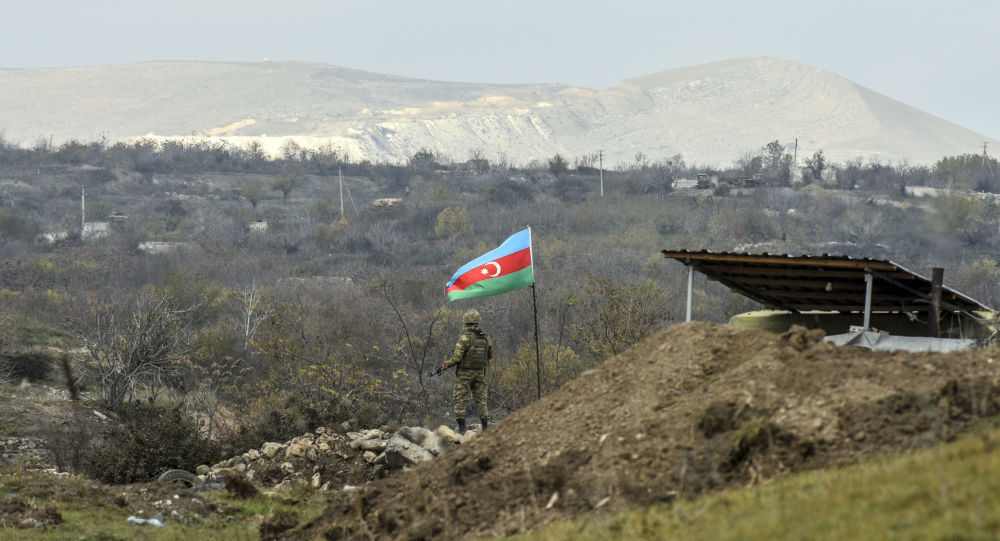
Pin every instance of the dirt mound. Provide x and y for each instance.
(694, 408)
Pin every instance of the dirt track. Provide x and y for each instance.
(694, 408)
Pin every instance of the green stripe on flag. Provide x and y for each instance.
(495, 286)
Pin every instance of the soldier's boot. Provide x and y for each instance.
(461, 425)
(484, 421)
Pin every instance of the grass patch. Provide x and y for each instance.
(92, 511)
(32, 333)
(10, 427)
(948, 492)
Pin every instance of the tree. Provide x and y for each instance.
(749, 164)
(613, 315)
(423, 159)
(418, 351)
(292, 151)
(254, 152)
(587, 163)
(255, 309)
(510, 387)
(558, 165)
(453, 222)
(773, 152)
(135, 349)
(286, 184)
(478, 160)
(979, 280)
(253, 191)
(959, 216)
(816, 164)
(969, 171)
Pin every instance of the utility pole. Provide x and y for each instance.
(83, 209)
(600, 156)
(340, 172)
(986, 159)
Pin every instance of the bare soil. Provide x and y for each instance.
(694, 408)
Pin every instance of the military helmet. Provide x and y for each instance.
(471, 316)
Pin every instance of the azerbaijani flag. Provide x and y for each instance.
(501, 270)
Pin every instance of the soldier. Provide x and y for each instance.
(473, 352)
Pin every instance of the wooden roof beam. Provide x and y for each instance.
(686, 257)
(816, 284)
(811, 273)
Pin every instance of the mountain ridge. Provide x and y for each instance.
(710, 114)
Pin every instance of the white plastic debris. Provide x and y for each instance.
(145, 521)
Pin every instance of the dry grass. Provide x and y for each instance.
(948, 492)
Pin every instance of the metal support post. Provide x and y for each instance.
(869, 279)
(937, 280)
(690, 288)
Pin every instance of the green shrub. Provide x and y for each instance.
(34, 365)
(148, 441)
(508, 192)
(453, 222)
(14, 225)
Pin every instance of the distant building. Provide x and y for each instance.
(48, 239)
(95, 230)
(259, 227)
(387, 202)
(156, 248)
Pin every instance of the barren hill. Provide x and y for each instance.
(711, 114)
(693, 408)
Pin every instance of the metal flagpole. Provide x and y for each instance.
(538, 362)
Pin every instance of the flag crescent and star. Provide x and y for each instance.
(506, 268)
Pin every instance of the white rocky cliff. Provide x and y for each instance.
(711, 114)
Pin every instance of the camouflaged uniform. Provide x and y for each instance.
(473, 353)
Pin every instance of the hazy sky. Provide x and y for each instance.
(941, 57)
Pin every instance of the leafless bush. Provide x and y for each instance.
(6, 367)
(207, 387)
(135, 348)
(6, 371)
(69, 441)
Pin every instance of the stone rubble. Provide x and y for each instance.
(16, 451)
(335, 458)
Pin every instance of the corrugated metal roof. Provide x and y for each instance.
(826, 282)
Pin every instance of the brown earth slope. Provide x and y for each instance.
(694, 408)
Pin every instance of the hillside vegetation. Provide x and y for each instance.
(232, 301)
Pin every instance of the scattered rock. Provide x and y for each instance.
(270, 449)
(298, 448)
(402, 452)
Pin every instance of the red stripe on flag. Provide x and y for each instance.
(508, 264)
